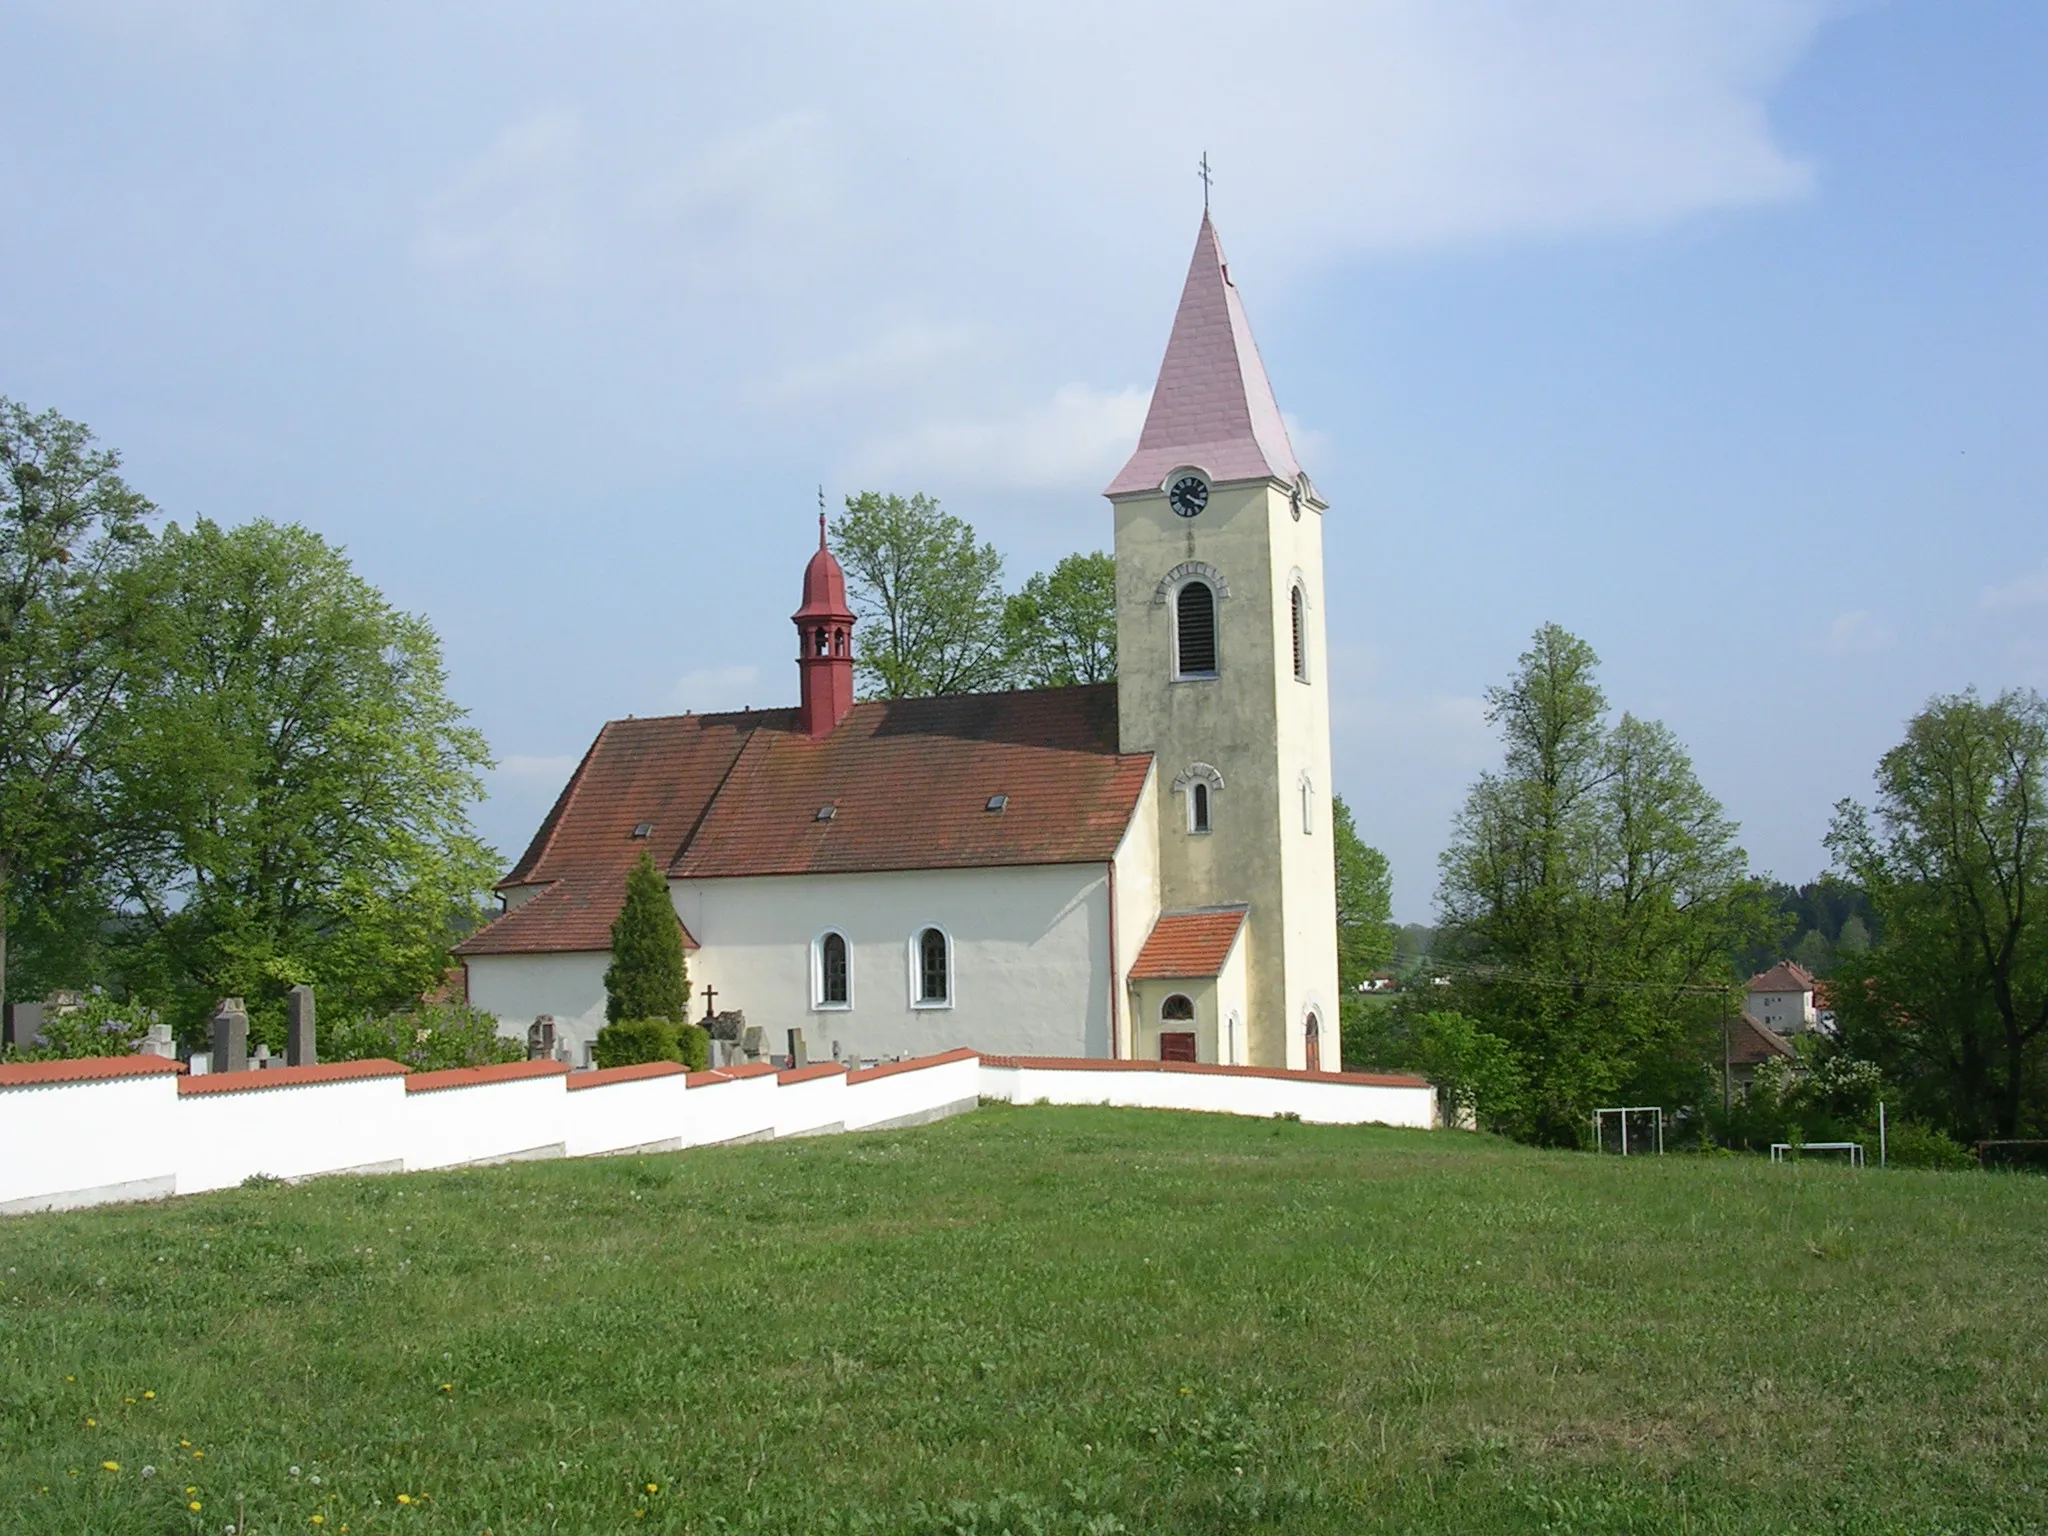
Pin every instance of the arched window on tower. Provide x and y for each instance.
(1198, 807)
(1308, 805)
(1194, 636)
(1299, 604)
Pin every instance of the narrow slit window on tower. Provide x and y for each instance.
(1195, 631)
(1198, 807)
(1299, 605)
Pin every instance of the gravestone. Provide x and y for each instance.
(259, 1059)
(22, 1025)
(753, 1042)
(798, 1056)
(230, 1036)
(540, 1038)
(158, 1042)
(730, 1024)
(300, 1046)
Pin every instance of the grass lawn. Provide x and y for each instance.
(1036, 1320)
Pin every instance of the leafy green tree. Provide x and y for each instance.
(1060, 629)
(1365, 903)
(649, 976)
(291, 783)
(930, 596)
(69, 528)
(1592, 895)
(1952, 1001)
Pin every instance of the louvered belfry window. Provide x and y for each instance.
(1300, 637)
(1195, 630)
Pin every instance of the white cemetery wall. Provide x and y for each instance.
(912, 1092)
(1323, 1098)
(81, 1136)
(486, 1114)
(290, 1123)
(627, 1109)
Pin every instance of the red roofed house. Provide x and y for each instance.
(1139, 869)
(1782, 998)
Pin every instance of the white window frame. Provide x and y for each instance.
(1308, 805)
(818, 1002)
(1184, 785)
(914, 952)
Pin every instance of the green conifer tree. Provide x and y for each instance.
(648, 977)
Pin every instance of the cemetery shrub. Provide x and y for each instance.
(630, 1042)
(648, 977)
(695, 1041)
(430, 1038)
(97, 1027)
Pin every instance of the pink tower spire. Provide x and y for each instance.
(1213, 407)
(824, 644)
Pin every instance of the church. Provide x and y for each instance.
(1141, 869)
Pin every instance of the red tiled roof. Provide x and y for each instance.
(1785, 976)
(1750, 1044)
(1189, 944)
(909, 781)
(82, 1069)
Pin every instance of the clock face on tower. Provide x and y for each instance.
(1188, 495)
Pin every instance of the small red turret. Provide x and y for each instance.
(824, 657)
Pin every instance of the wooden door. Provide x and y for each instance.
(1176, 1045)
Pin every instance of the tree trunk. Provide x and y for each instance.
(3, 929)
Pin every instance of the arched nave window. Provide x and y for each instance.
(931, 965)
(832, 973)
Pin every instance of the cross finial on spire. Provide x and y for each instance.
(1207, 178)
(821, 517)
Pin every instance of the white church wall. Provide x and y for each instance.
(1031, 957)
(517, 989)
(1137, 903)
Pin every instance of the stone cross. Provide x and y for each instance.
(230, 1036)
(299, 1047)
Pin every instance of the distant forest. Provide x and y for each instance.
(1817, 923)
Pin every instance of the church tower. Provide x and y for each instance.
(1221, 665)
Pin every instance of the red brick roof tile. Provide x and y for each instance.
(1785, 976)
(909, 781)
(289, 1077)
(1750, 1044)
(1188, 944)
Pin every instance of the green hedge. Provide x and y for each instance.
(630, 1042)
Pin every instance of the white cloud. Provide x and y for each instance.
(551, 769)
(712, 689)
(512, 210)
(2019, 592)
(1074, 440)
(1857, 633)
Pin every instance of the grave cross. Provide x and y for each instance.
(710, 993)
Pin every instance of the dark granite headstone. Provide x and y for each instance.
(300, 1047)
(230, 1036)
(22, 1025)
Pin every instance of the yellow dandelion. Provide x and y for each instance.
(92, 1423)
(199, 1455)
(128, 1402)
(191, 1490)
(447, 1386)
(110, 1466)
(654, 1487)
(405, 1498)
(71, 1378)
(149, 1397)
(319, 1520)
(195, 1506)
(185, 1444)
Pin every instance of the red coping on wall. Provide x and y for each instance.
(812, 1073)
(639, 1072)
(476, 1077)
(916, 1063)
(85, 1069)
(288, 1077)
(1284, 1074)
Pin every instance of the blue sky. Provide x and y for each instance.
(1716, 332)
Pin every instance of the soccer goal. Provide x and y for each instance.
(1850, 1151)
(1633, 1130)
